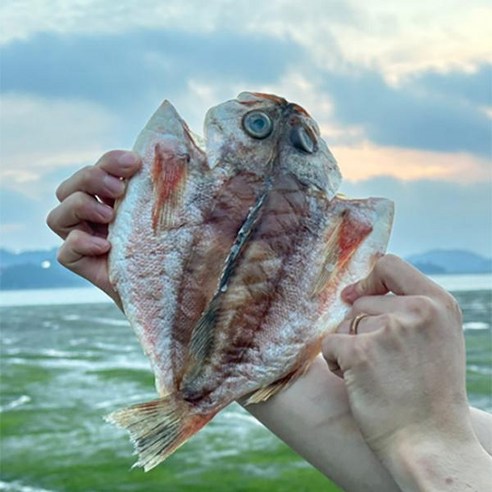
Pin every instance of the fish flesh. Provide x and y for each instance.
(229, 258)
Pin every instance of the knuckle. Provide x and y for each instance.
(51, 220)
(388, 321)
(387, 262)
(389, 324)
(357, 306)
(453, 306)
(87, 176)
(360, 352)
(69, 248)
(80, 203)
(61, 255)
(59, 191)
(109, 157)
(423, 308)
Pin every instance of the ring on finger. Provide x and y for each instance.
(354, 325)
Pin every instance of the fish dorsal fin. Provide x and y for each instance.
(168, 147)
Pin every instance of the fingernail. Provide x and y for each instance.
(100, 242)
(349, 293)
(114, 185)
(128, 159)
(105, 210)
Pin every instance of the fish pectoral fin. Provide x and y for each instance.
(169, 175)
(305, 359)
(157, 428)
(343, 238)
(281, 384)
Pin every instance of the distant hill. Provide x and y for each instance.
(451, 261)
(8, 259)
(40, 269)
(35, 270)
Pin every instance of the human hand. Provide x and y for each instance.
(405, 369)
(85, 210)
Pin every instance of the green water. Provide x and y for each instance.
(65, 367)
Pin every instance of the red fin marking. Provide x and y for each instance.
(352, 233)
(168, 175)
(341, 243)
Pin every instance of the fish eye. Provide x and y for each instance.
(302, 140)
(257, 124)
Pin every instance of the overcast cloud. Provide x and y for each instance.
(402, 96)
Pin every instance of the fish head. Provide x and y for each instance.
(267, 134)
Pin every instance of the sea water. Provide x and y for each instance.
(69, 357)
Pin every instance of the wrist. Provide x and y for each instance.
(438, 463)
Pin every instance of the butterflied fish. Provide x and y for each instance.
(230, 259)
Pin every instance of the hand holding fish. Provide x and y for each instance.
(85, 210)
(405, 376)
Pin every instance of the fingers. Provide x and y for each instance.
(391, 274)
(102, 179)
(414, 310)
(77, 211)
(78, 245)
(85, 255)
(367, 324)
(87, 196)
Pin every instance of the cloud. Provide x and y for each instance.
(366, 160)
(432, 214)
(39, 135)
(472, 87)
(396, 38)
(399, 39)
(400, 89)
(23, 20)
(126, 69)
(429, 115)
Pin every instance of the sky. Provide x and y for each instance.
(401, 92)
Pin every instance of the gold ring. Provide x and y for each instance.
(354, 325)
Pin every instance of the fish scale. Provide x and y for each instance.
(230, 259)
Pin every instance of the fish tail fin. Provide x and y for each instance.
(157, 428)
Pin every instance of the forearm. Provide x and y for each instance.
(313, 417)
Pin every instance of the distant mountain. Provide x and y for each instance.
(35, 270)
(451, 261)
(8, 259)
(40, 269)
